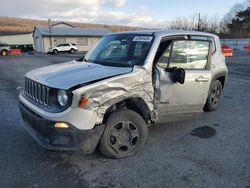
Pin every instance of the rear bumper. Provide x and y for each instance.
(44, 132)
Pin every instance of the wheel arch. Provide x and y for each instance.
(221, 76)
(136, 104)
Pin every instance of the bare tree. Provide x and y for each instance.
(184, 23)
(195, 22)
(214, 24)
(230, 26)
(204, 23)
(228, 17)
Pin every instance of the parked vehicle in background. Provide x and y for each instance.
(68, 47)
(128, 81)
(4, 49)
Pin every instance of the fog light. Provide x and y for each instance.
(61, 125)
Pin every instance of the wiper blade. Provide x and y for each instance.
(108, 63)
(112, 64)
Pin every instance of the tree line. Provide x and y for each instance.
(234, 24)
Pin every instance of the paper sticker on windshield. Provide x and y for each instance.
(142, 38)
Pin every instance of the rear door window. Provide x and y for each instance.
(213, 47)
(189, 54)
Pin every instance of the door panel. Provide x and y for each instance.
(194, 57)
(60, 48)
(182, 98)
(66, 47)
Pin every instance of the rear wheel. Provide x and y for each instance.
(72, 50)
(126, 133)
(214, 96)
(4, 53)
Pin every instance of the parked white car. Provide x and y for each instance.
(68, 47)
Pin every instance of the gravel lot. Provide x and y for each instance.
(172, 157)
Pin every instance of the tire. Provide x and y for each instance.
(55, 51)
(125, 134)
(214, 96)
(72, 50)
(4, 53)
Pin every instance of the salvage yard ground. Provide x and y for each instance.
(176, 154)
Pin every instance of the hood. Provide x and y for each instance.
(70, 74)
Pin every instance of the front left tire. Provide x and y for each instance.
(125, 134)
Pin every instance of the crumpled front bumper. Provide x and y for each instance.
(44, 132)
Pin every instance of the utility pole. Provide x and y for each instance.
(50, 32)
(199, 20)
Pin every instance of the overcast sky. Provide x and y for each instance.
(146, 13)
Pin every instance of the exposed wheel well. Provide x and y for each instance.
(136, 104)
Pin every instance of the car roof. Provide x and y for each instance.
(162, 33)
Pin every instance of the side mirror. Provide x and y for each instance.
(176, 74)
(80, 59)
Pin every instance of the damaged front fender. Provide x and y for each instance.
(104, 94)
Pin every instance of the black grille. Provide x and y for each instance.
(36, 92)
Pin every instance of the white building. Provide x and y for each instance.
(84, 38)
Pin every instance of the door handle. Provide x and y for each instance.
(201, 79)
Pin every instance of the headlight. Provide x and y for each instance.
(62, 97)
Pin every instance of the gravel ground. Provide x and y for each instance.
(176, 154)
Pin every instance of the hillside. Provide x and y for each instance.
(11, 24)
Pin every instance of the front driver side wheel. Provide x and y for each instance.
(125, 134)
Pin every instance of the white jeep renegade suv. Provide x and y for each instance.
(128, 81)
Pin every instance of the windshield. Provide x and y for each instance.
(121, 50)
